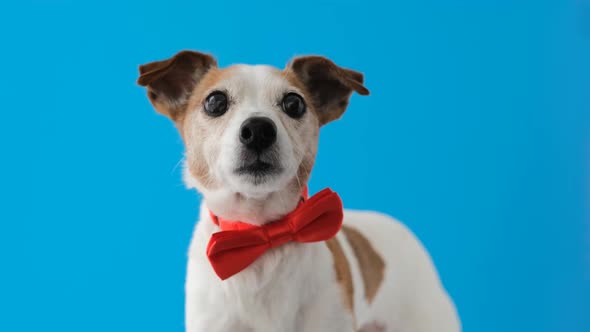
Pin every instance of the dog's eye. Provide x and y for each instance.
(216, 104)
(293, 105)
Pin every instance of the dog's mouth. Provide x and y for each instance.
(258, 170)
(257, 167)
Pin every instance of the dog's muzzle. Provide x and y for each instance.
(258, 136)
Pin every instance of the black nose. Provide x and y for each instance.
(258, 133)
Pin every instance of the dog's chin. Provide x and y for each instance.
(258, 178)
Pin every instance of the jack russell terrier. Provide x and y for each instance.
(264, 256)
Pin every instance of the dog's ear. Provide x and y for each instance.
(330, 86)
(170, 82)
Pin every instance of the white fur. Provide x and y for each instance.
(293, 288)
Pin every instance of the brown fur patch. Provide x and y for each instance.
(343, 274)
(194, 132)
(203, 88)
(211, 79)
(292, 78)
(370, 262)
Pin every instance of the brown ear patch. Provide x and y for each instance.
(170, 82)
(370, 262)
(330, 86)
(343, 274)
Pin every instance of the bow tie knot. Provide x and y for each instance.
(278, 233)
(238, 245)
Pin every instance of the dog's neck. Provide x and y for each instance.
(252, 209)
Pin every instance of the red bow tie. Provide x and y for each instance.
(239, 244)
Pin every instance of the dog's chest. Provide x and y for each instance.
(274, 288)
(275, 292)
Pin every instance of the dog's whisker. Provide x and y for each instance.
(177, 164)
(298, 181)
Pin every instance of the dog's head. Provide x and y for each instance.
(250, 130)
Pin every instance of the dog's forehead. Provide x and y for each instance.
(259, 80)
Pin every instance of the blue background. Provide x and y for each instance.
(476, 135)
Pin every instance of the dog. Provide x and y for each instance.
(251, 136)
